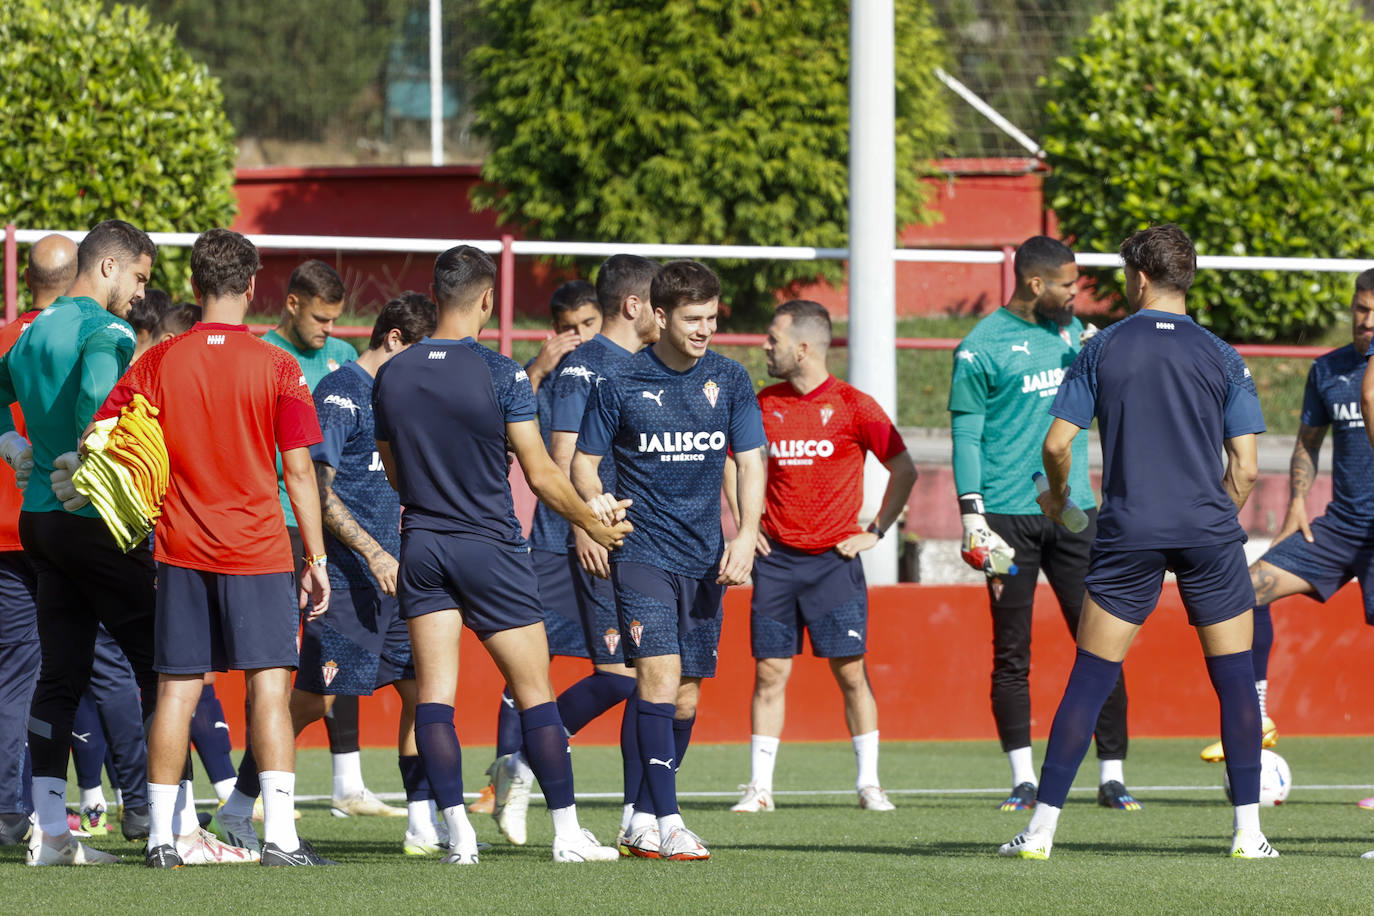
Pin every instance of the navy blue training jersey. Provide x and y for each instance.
(1332, 399)
(1167, 394)
(549, 530)
(668, 433)
(443, 406)
(343, 401)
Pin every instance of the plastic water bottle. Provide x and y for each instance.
(1074, 518)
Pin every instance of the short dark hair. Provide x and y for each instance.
(807, 315)
(177, 320)
(461, 275)
(571, 295)
(114, 238)
(1165, 254)
(413, 314)
(683, 282)
(315, 279)
(1364, 283)
(145, 313)
(1038, 255)
(621, 276)
(223, 263)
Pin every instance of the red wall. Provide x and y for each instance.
(982, 204)
(930, 663)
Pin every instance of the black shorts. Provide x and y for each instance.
(1041, 543)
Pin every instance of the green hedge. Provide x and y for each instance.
(1250, 123)
(103, 114)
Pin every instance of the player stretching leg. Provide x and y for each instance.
(667, 415)
(226, 596)
(362, 644)
(1336, 547)
(1168, 397)
(444, 411)
(1005, 372)
(807, 575)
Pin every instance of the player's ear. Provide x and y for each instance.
(252, 288)
(293, 303)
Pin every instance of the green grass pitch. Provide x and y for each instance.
(817, 853)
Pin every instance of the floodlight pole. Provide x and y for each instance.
(436, 83)
(872, 239)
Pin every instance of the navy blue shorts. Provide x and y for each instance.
(491, 584)
(1337, 554)
(562, 620)
(664, 613)
(820, 593)
(220, 622)
(1213, 581)
(600, 619)
(359, 645)
(18, 600)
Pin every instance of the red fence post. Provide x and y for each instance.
(1008, 273)
(507, 293)
(11, 275)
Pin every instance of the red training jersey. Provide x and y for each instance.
(816, 448)
(11, 497)
(227, 403)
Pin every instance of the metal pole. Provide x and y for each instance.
(507, 299)
(436, 84)
(872, 239)
(11, 275)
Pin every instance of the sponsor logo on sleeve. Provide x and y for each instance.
(342, 403)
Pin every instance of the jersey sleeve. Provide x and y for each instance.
(876, 432)
(746, 417)
(104, 357)
(1314, 412)
(296, 423)
(1076, 401)
(601, 420)
(572, 388)
(970, 382)
(381, 427)
(1242, 414)
(338, 418)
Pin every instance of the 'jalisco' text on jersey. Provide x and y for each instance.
(668, 433)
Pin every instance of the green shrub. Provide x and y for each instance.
(722, 122)
(102, 114)
(1249, 123)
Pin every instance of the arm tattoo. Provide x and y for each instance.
(338, 521)
(1302, 470)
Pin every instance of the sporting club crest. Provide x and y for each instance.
(612, 639)
(328, 671)
(711, 390)
(636, 631)
(826, 413)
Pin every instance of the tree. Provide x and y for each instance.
(102, 114)
(721, 122)
(1249, 123)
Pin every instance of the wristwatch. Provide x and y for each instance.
(317, 560)
(874, 529)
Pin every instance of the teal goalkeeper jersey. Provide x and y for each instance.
(61, 370)
(1008, 370)
(315, 365)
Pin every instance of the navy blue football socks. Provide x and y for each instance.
(509, 736)
(440, 753)
(658, 750)
(595, 694)
(1090, 683)
(413, 778)
(682, 736)
(632, 765)
(1233, 678)
(88, 743)
(1263, 642)
(211, 741)
(247, 783)
(546, 750)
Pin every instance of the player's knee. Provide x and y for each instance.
(770, 674)
(850, 674)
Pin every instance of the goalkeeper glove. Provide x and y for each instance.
(18, 454)
(62, 486)
(983, 548)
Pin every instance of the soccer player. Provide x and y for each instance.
(1005, 372)
(59, 371)
(314, 301)
(807, 574)
(51, 269)
(361, 644)
(668, 415)
(146, 312)
(444, 411)
(1169, 397)
(226, 598)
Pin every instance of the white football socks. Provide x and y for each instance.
(279, 809)
(90, 798)
(866, 759)
(162, 809)
(1247, 818)
(565, 823)
(763, 756)
(460, 833)
(1109, 770)
(1022, 766)
(626, 815)
(348, 774)
(184, 818)
(1044, 820)
(420, 821)
(224, 787)
(667, 824)
(1262, 688)
(641, 819)
(50, 804)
